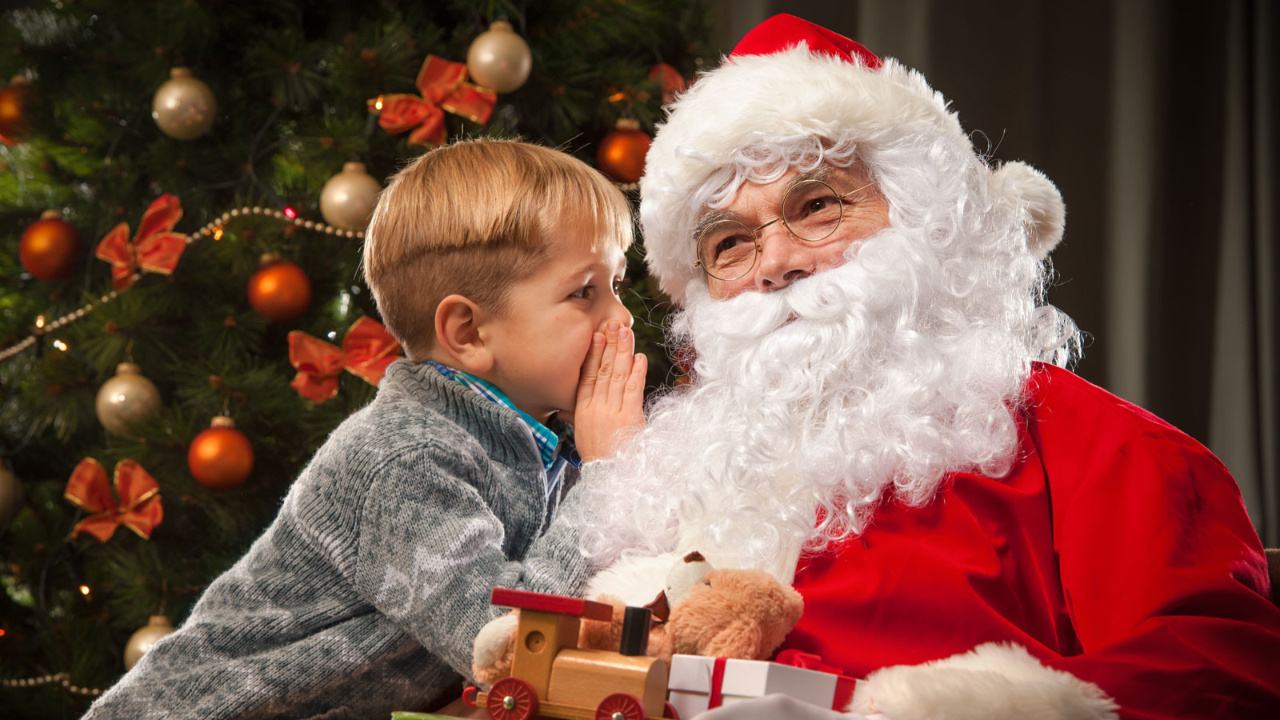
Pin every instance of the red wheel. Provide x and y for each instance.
(512, 699)
(620, 706)
(469, 695)
(669, 711)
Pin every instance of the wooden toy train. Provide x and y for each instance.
(552, 677)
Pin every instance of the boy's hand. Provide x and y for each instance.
(610, 406)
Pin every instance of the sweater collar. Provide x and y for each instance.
(551, 444)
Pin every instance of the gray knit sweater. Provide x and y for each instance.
(365, 593)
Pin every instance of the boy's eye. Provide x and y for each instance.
(582, 292)
(617, 287)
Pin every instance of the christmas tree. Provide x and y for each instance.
(207, 220)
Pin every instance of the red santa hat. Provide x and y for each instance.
(789, 77)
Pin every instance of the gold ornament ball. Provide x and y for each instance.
(499, 59)
(15, 110)
(621, 153)
(142, 640)
(127, 399)
(221, 457)
(348, 198)
(184, 107)
(280, 291)
(10, 497)
(50, 247)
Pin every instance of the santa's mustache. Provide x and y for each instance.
(756, 331)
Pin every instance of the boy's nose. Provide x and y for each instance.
(619, 312)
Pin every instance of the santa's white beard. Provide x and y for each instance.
(864, 384)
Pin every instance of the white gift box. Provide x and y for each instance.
(691, 686)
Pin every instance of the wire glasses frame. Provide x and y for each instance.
(811, 211)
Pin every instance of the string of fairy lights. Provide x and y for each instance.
(214, 229)
(61, 678)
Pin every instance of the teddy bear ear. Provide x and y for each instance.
(1023, 189)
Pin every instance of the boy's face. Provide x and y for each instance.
(541, 341)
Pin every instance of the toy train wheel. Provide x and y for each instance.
(620, 706)
(669, 711)
(512, 699)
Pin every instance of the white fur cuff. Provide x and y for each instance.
(992, 682)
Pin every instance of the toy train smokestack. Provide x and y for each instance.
(635, 631)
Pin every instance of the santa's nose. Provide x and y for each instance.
(782, 260)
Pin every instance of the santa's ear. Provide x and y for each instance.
(1019, 184)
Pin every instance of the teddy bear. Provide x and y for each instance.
(697, 609)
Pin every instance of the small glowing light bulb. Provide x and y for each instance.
(84, 590)
(290, 213)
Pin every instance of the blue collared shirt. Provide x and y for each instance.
(557, 450)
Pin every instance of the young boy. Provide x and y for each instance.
(496, 265)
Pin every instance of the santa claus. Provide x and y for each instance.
(879, 415)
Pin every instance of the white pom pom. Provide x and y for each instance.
(1017, 183)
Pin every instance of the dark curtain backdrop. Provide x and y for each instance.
(1157, 119)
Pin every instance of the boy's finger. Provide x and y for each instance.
(590, 369)
(633, 393)
(621, 366)
(608, 357)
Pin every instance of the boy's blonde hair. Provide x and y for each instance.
(474, 217)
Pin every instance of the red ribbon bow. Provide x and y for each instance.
(367, 350)
(806, 661)
(139, 506)
(444, 89)
(153, 249)
(809, 661)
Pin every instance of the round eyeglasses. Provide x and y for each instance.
(811, 211)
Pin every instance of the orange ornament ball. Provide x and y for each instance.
(15, 110)
(50, 247)
(221, 457)
(621, 153)
(280, 291)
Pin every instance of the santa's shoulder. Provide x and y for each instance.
(1068, 415)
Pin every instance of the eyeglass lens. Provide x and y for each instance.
(811, 210)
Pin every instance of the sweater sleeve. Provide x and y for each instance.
(431, 547)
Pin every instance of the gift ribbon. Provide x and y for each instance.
(795, 658)
(153, 249)
(444, 89)
(716, 697)
(367, 349)
(809, 661)
(138, 508)
(806, 661)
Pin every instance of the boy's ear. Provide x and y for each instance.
(458, 321)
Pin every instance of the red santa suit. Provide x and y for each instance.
(1118, 550)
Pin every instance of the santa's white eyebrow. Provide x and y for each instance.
(822, 172)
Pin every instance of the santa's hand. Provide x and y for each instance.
(776, 707)
(610, 405)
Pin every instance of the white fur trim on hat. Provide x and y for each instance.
(991, 682)
(751, 98)
(1023, 185)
